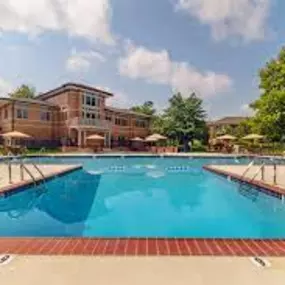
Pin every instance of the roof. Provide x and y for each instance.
(71, 86)
(230, 120)
(126, 111)
(26, 100)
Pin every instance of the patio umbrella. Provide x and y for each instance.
(155, 137)
(95, 137)
(253, 137)
(137, 139)
(227, 138)
(16, 135)
(13, 136)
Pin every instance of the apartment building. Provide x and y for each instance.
(69, 114)
(220, 126)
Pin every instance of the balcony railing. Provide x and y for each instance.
(89, 122)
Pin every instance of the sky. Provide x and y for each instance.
(143, 50)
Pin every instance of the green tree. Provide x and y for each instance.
(24, 91)
(146, 108)
(269, 109)
(270, 115)
(272, 76)
(158, 124)
(244, 128)
(184, 119)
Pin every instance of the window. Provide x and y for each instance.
(88, 100)
(108, 118)
(22, 114)
(140, 123)
(121, 122)
(5, 114)
(45, 116)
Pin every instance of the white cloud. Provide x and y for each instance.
(157, 67)
(81, 61)
(186, 78)
(246, 110)
(243, 18)
(143, 63)
(85, 18)
(120, 100)
(5, 87)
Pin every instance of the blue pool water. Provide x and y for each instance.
(142, 197)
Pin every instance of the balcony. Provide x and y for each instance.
(82, 122)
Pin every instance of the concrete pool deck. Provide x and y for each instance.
(237, 172)
(268, 172)
(47, 170)
(74, 270)
(149, 154)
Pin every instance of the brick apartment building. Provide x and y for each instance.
(68, 114)
(220, 126)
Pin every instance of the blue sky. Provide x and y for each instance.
(143, 50)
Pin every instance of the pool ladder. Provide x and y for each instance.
(250, 165)
(23, 169)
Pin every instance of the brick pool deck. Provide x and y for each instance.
(142, 247)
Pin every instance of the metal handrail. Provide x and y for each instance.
(42, 150)
(40, 172)
(23, 166)
(247, 169)
(7, 160)
(257, 172)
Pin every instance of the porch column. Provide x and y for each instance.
(79, 138)
(84, 138)
(109, 142)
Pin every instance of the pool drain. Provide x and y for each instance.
(5, 259)
(260, 262)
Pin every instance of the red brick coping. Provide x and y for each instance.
(272, 190)
(27, 183)
(142, 246)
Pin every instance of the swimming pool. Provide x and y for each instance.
(142, 197)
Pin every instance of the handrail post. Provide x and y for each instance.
(262, 173)
(22, 171)
(10, 171)
(275, 173)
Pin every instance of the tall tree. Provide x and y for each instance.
(24, 91)
(269, 109)
(185, 119)
(146, 108)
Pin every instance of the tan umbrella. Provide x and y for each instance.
(16, 135)
(137, 139)
(253, 137)
(155, 137)
(95, 137)
(226, 138)
(151, 139)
